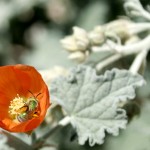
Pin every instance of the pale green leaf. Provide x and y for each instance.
(137, 134)
(92, 100)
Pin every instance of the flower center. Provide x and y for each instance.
(16, 104)
(22, 109)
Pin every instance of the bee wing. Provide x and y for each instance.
(23, 109)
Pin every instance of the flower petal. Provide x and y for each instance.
(20, 79)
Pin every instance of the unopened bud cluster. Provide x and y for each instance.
(79, 44)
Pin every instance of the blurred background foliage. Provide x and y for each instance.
(30, 33)
(30, 30)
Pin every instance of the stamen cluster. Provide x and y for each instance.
(17, 103)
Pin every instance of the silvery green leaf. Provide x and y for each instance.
(92, 101)
(137, 134)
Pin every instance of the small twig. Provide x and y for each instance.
(108, 61)
(134, 8)
(125, 51)
(140, 57)
(128, 49)
(146, 15)
(133, 48)
(103, 48)
(64, 121)
(136, 28)
(33, 137)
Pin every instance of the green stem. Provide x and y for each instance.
(40, 142)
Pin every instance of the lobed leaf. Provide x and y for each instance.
(136, 136)
(92, 101)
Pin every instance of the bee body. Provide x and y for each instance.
(22, 117)
(29, 110)
(33, 104)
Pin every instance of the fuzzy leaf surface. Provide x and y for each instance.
(137, 134)
(92, 101)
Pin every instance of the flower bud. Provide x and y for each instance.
(81, 37)
(119, 27)
(78, 41)
(69, 43)
(78, 56)
(97, 36)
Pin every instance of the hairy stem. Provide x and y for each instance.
(136, 28)
(132, 48)
(122, 51)
(139, 59)
(108, 61)
(126, 49)
(136, 9)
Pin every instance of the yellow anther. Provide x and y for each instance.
(16, 104)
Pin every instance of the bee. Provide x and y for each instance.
(29, 110)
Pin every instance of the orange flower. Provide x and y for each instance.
(24, 98)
